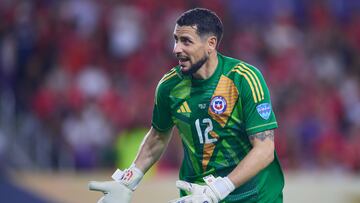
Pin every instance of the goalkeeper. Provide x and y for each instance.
(222, 109)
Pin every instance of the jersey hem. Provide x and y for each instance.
(261, 128)
(160, 129)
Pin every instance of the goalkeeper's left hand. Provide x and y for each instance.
(215, 190)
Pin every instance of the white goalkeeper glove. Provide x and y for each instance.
(120, 190)
(215, 190)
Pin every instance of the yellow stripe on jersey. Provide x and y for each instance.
(169, 73)
(182, 109)
(168, 76)
(257, 80)
(207, 154)
(249, 82)
(187, 108)
(252, 80)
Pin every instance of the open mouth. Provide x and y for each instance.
(183, 60)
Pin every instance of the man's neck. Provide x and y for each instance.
(208, 69)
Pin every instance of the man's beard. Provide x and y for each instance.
(194, 68)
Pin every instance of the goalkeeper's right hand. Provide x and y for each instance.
(120, 190)
(114, 192)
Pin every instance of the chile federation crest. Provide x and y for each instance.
(218, 105)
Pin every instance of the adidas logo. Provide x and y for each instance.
(184, 108)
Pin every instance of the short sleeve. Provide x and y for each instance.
(161, 118)
(255, 98)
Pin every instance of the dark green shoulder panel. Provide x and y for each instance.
(168, 81)
(229, 63)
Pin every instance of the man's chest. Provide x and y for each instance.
(216, 101)
(196, 105)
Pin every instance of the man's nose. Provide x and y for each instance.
(177, 48)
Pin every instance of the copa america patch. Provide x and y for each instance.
(218, 105)
(264, 110)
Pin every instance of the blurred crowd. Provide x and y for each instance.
(76, 74)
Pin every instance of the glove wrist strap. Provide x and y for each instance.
(222, 187)
(130, 177)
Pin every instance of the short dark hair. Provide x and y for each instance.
(206, 21)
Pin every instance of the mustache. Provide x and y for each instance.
(179, 56)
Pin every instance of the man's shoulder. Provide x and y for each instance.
(237, 67)
(229, 63)
(173, 74)
(229, 60)
(242, 73)
(171, 78)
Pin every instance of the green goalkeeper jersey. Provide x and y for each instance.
(215, 117)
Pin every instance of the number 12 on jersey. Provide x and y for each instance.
(208, 129)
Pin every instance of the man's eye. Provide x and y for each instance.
(186, 41)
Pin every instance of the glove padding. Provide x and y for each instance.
(114, 192)
(215, 190)
(120, 190)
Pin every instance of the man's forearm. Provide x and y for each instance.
(260, 156)
(151, 149)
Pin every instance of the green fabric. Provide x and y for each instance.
(215, 117)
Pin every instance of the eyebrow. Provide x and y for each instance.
(182, 37)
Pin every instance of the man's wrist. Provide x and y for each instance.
(130, 177)
(221, 186)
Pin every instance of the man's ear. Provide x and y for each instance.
(212, 42)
